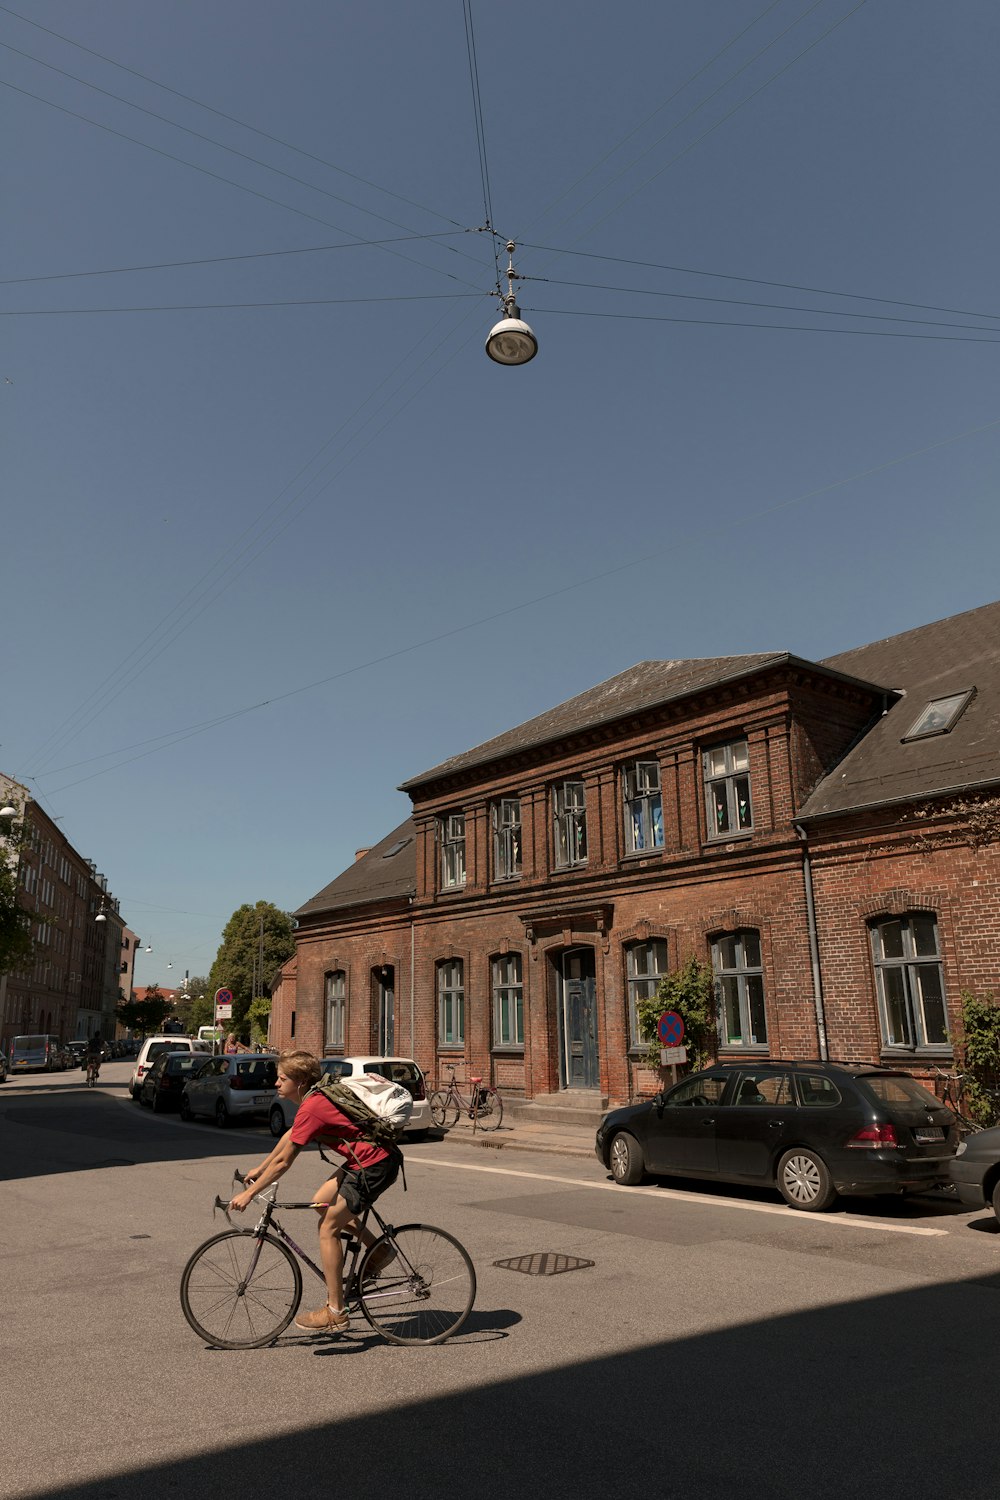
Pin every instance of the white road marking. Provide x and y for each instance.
(819, 1221)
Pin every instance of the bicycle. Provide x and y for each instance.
(93, 1071)
(484, 1106)
(242, 1288)
(953, 1095)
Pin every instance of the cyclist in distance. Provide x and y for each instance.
(369, 1169)
(94, 1054)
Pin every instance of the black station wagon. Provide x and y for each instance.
(810, 1129)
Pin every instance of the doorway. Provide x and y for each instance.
(385, 981)
(579, 1066)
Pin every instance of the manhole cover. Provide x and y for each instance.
(544, 1263)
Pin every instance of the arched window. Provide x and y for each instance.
(451, 1003)
(335, 997)
(508, 1001)
(910, 981)
(739, 980)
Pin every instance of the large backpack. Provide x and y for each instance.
(377, 1106)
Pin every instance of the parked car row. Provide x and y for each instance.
(41, 1052)
(813, 1130)
(172, 1072)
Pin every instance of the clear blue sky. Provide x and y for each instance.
(209, 508)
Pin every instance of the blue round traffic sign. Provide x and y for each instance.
(670, 1029)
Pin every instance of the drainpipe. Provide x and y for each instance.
(413, 1040)
(813, 945)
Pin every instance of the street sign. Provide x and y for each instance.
(223, 1005)
(670, 1029)
(671, 1056)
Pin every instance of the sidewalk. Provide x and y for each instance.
(515, 1135)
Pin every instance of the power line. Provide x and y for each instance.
(189, 99)
(866, 333)
(59, 312)
(633, 562)
(218, 260)
(477, 110)
(792, 286)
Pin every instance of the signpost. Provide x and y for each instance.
(670, 1030)
(223, 1005)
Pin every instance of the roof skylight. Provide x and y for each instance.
(939, 716)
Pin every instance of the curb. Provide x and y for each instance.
(502, 1140)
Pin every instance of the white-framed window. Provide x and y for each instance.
(507, 838)
(909, 979)
(451, 1003)
(569, 809)
(643, 806)
(452, 829)
(335, 997)
(939, 715)
(508, 1001)
(739, 983)
(727, 789)
(645, 966)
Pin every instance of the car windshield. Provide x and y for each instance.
(900, 1088)
(155, 1048)
(187, 1062)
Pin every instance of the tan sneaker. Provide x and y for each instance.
(324, 1320)
(381, 1256)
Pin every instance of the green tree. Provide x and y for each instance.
(16, 944)
(144, 1015)
(689, 991)
(258, 1016)
(255, 943)
(981, 1025)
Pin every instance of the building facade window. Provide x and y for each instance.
(910, 982)
(727, 790)
(645, 966)
(508, 1001)
(335, 988)
(643, 806)
(569, 807)
(451, 1003)
(452, 851)
(507, 838)
(739, 982)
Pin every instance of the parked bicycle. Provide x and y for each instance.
(242, 1288)
(484, 1105)
(952, 1092)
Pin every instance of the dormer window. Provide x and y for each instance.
(940, 715)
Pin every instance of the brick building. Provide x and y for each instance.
(824, 833)
(73, 982)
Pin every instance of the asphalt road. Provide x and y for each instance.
(720, 1344)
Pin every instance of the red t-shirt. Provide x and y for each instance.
(319, 1120)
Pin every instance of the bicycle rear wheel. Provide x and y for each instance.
(240, 1290)
(444, 1110)
(425, 1293)
(490, 1111)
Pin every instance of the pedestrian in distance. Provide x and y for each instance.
(367, 1171)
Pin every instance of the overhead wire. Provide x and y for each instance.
(870, 333)
(59, 312)
(477, 110)
(648, 555)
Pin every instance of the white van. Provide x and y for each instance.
(210, 1034)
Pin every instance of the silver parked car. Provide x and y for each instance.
(231, 1087)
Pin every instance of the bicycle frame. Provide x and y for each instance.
(454, 1095)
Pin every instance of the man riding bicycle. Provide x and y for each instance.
(93, 1055)
(368, 1171)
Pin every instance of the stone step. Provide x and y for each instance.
(572, 1108)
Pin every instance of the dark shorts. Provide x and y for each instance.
(360, 1187)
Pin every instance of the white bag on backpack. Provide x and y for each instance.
(390, 1101)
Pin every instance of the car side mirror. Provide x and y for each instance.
(660, 1099)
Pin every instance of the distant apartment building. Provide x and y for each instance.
(72, 985)
(824, 834)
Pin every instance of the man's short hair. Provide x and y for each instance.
(301, 1067)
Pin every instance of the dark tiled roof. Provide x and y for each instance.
(644, 686)
(932, 661)
(377, 876)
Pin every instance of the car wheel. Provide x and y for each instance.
(136, 1093)
(276, 1121)
(416, 1135)
(627, 1165)
(804, 1181)
(996, 1199)
(221, 1114)
(155, 1104)
(186, 1113)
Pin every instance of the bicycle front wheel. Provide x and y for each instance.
(424, 1294)
(490, 1111)
(444, 1111)
(240, 1290)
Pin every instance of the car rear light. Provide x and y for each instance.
(874, 1137)
(241, 1081)
(165, 1082)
